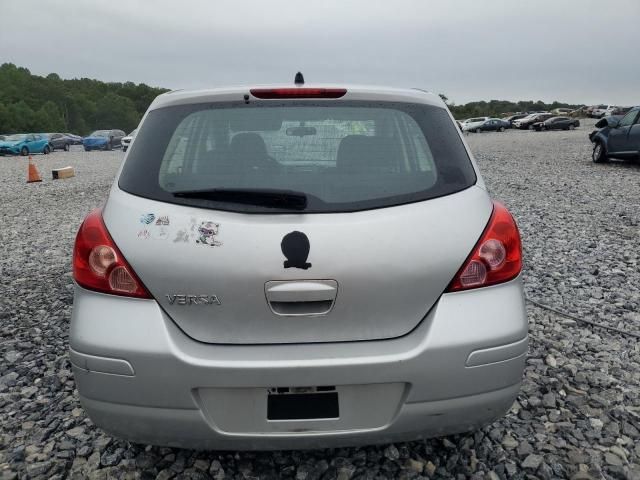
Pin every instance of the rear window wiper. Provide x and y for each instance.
(273, 198)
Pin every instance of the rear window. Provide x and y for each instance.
(343, 156)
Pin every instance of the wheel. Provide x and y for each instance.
(478, 130)
(107, 146)
(572, 127)
(46, 150)
(124, 149)
(501, 129)
(599, 154)
(66, 147)
(87, 149)
(24, 151)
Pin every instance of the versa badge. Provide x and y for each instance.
(193, 299)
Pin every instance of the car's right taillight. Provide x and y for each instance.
(98, 264)
(496, 257)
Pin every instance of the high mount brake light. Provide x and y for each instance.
(297, 92)
(496, 257)
(98, 264)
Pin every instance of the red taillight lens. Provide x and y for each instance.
(98, 264)
(496, 258)
(298, 92)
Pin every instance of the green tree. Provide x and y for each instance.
(48, 118)
(115, 111)
(39, 104)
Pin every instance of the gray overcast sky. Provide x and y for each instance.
(582, 51)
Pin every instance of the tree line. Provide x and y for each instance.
(31, 103)
(499, 108)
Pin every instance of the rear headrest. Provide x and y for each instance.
(247, 146)
(360, 153)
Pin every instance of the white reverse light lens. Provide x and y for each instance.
(101, 258)
(493, 252)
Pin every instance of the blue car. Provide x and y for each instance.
(103, 140)
(24, 144)
(617, 137)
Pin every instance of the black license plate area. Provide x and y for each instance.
(303, 406)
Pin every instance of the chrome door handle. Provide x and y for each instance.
(301, 297)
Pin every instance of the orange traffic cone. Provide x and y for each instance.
(33, 174)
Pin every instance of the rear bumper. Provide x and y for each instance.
(141, 378)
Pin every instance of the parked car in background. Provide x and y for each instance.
(25, 144)
(617, 137)
(126, 141)
(528, 121)
(557, 123)
(600, 110)
(579, 112)
(470, 123)
(515, 117)
(621, 111)
(491, 124)
(103, 140)
(60, 141)
(76, 139)
(224, 298)
(561, 111)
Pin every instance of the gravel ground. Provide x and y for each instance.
(578, 415)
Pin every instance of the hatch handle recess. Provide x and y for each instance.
(301, 297)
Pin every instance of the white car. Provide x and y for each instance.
(525, 120)
(471, 124)
(126, 141)
(601, 110)
(610, 110)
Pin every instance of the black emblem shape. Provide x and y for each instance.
(295, 246)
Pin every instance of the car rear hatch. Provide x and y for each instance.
(361, 250)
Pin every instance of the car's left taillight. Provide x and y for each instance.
(99, 265)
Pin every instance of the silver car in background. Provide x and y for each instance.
(297, 267)
(126, 141)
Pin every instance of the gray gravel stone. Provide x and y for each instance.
(532, 462)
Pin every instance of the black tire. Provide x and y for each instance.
(46, 150)
(501, 129)
(24, 151)
(478, 130)
(66, 147)
(599, 154)
(572, 127)
(87, 149)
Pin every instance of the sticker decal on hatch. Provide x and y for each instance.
(207, 234)
(200, 232)
(156, 230)
(147, 218)
(295, 247)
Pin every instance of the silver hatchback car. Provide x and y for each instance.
(297, 267)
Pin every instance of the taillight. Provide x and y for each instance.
(98, 264)
(298, 92)
(496, 258)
